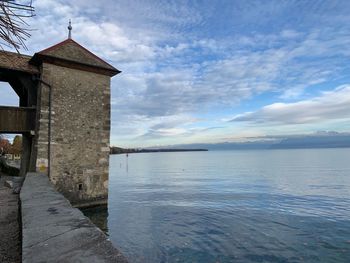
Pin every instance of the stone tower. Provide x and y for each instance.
(73, 121)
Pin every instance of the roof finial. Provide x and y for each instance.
(70, 29)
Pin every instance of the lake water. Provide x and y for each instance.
(230, 206)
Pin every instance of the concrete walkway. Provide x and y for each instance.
(10, 238)
(54, 231)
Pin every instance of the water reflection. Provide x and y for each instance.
(264, 206)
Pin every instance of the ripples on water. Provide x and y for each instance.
(230, 206)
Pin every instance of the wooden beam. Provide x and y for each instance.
(16, 119)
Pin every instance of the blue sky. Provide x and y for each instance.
(211, 71)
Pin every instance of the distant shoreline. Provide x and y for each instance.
(117, 150)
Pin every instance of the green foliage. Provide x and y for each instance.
(17, 144)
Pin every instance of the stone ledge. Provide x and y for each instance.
(54, 231)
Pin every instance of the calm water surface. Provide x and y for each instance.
(230, 206)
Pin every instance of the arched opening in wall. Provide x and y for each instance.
(10, 154)
(11, 147)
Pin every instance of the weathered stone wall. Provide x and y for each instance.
(80, 110)
(41, 141)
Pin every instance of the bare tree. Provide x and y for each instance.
(13, 27)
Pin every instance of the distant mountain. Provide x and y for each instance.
(317, 140)
(118, 150)
(227, 145)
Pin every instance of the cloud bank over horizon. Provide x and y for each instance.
(329, 106)
(212, 71)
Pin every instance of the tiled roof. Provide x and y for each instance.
(18, 62)
(67, 53)
(72, 51)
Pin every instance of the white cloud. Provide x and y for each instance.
(181, 59)
(330, 105)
